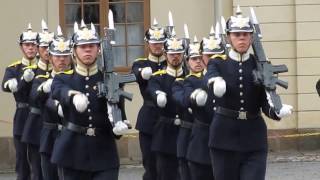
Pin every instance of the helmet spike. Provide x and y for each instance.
(155, 22)
(75, 27)
(59, 31)
(44, 25)
(93, 29)
(211, 31)
(195, 39)
(29, 27)
(82, 25)
(238, 12)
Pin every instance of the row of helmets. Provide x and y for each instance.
(211, 45)
(57, 43)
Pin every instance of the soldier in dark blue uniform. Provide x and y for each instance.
(33, 126)
(164, 141)
(148, 114)
(60, 58)
(238, 133)
(85, 148)
(16, 80)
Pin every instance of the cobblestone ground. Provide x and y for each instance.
(281, 166)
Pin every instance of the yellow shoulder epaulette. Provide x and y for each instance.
(222, 56)
(160, 72)
(43, 76)
(179, 79)
(141, 59)
(66, 72)
(31, 67)
(15, 63)
(198, 75)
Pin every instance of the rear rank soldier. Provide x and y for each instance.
(238, 133)
(164, 141)
(148, 114)
(60, 58)
(16, 81)
(85, 148)
(33, 126)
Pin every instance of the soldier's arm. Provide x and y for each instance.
(9, 74)
(61, 90)
(37, 93)
(136, 69)
(266, 108)
(153, 87)
(178, 92)
(212, 71)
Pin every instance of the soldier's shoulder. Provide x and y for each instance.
(219, 56)
(140, 59)
(68, 72)
(15, 63)
(159, 72)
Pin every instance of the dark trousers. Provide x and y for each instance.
(167, 166)
(200, 171)
(22, 165)
(148, 157)
(72, 174)
(234, 165)
(34, 162)
(49, 170)
(184, 171)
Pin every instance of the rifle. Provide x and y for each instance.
(266, 73)
(110, 86)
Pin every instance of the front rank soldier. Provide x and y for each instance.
(16, 80)
(238, 133)
(143, 69)
(164, 141)
(33, 126)
(60, 58)
(85, 148)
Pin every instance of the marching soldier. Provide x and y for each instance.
(164, 141)
(16, 81)
(60, 58)
(143, 69)
(238, 133)
(33, 126)
(85, 148)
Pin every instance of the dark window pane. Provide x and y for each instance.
(119, 56)
(90, 0)
(135, 34)
(135, 52)
(91, 13)
(115, 0)
(118, 12)
(72, 1)
(72, 13)
(120, 35)
(135, 12)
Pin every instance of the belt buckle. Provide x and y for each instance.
(242, 115)
(91, 132)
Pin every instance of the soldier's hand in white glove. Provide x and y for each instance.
(120, 128)
(161, 98)
(219, 86)
(80, 102)
(199, 96)
(46, 87)
(285, 111)
(146, 73)
(60, 111)
(28, 75)
(12, 84)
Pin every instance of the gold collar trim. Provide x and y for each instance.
(28, 62)
(174, 72)
(156, 59)
(238, 57)
(84, 70)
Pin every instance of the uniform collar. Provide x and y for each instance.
(198, 74)
(53, 73)
(205, 71)
(174, 72)
(44, 66)
(238, 57)
(84, 70)
(156, 59)
(28, 62)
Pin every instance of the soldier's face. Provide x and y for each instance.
(175, 59)
(240, 41)
(60, 63)
(156, 49)
(29, 50)
(43, 53)
(87, 53)
(205, 58)
(196, 64)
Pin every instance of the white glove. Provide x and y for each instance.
(146, 73)
(199, 96)
(120, 128)
(219, 86)
(28, 75)
(60, 111)
(285, 111)
(269, 99)
(80, 102)
(46, 87)
(161, 98)
(12, 84)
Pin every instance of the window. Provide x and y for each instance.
(131, 18)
